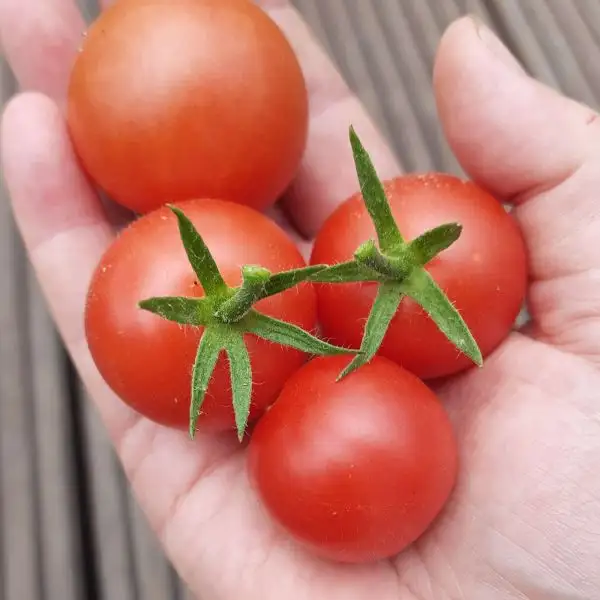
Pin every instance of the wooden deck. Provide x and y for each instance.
(68, 527)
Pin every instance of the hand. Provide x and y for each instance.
(524, 520)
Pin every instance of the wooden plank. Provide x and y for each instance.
(338, 42)
(583, 46)
(557, 48)
(19, 518)
(60, 542)
(449, 10)
(510, 20)
(110, 524)
(590, 14)
(155, 579)
(403, 129)
(427, 22)
(415, 67)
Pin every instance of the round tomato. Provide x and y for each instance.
(356, 469)
(484, 273)
(148, 360)
(177, 99)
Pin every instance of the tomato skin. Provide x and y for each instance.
(356, 470)
(177, 99)
(148, 360)
(484, 273)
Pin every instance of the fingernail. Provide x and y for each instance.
(495, 46)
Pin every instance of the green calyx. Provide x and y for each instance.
(398, 268)
(227, 315)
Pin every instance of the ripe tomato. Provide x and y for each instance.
(148, 360)
(357, 469)
(177, 99)
(484, 273)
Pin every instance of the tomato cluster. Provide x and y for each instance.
(203, 314)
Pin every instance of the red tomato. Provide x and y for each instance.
(177, 99)
(356, 470)
(484, 273)
(148, 360)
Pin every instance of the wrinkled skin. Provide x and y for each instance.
(524, 520)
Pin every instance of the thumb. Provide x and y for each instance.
(532, 147)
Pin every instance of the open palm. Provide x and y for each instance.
(524, 521)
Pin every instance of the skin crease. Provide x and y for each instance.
(356, 470)
(232, 126)
(148, 360)
(486, 266)
(524, 518)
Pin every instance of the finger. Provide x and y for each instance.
(533, 147)
(40, 39)
(61, 220)
(327, 175)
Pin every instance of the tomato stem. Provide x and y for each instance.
(402, 263)
(226, 314)
(394, 267)
(252, 289)
(397, 266)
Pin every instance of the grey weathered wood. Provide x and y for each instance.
(404, 131)
(155, 579)
(449, 10)
(110, 519)
(590, 13)
(342, 48)
(414, 66)
(510, 19)
(557, 47)
(579, 37)
(19, 547)
(59, 534)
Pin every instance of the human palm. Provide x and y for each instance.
(524, 520)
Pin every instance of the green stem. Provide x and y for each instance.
(393, 267)
(239, 305)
